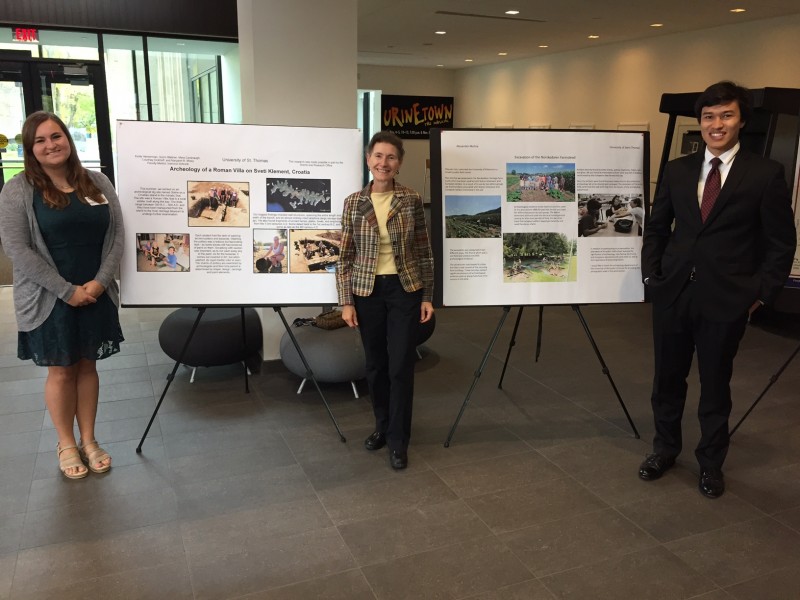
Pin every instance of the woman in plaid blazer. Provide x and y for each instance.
(385, 282)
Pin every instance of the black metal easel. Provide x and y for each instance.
(200, 311)
(478, 373)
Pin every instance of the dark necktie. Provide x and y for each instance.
(711, 191)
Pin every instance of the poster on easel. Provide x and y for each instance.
(538, 217)
(232, 215)
(794, 275)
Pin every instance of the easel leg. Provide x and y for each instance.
(539, 333)
(763, 393)
(244, 353)
(478, 373)
(607, 373)
(309, 373)
(171, 376)
(511, 344)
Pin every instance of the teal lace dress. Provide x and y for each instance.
(74, 237)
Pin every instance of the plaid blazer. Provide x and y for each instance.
(358, 258)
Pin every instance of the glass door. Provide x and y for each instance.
(75, 91)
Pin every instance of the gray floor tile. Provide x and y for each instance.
(23, 403)
(527, 590)
(366, 500)
(11, 532)
(501, 473)
(227, 573)
(392, 536)
(532, 504)
(782, 584)
(7, 565)
(59, 565)
(740, 551)
(576, 541)
(350, 585)
(678, 514)
(456, 571)
(22, 422)
(652, 574)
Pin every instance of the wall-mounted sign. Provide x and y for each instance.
(24, 34)
(411, 117)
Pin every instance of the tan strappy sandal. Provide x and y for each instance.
(71, 462)
(92, 456)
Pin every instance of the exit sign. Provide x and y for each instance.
(24, 34)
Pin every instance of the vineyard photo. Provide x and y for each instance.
(539, 257)
(472, 216)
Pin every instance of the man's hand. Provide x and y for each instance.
(94, 288)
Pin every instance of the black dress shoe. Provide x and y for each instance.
(398, 459)
(712, 483)
(654, 466)
(376, 441)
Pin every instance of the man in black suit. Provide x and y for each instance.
(718, 245)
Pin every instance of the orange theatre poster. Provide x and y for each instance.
(411, 117)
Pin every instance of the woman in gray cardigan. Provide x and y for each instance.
(61, 226)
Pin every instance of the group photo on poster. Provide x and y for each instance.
(262, 200)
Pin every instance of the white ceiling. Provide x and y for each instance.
(401, 32)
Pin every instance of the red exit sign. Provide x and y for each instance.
(25, 34)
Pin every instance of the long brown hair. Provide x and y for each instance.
(77, 175)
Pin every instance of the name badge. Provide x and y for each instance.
(93, 203)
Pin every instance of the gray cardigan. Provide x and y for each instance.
(37, 283)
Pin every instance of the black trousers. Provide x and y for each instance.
(678, 331)
(388, 320)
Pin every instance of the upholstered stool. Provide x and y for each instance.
(334, 355)
(217, 340)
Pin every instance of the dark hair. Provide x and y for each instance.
(636, 201)
(724, 92)
(387, 137)
(77, 176)
(261, 265)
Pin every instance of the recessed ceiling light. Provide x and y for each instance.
(512, 12)
(439, 65)
(656, 24)
(543, 46)
(502, 54)
(439, 32)
(593, 37)
(467, 60)
(738, 10)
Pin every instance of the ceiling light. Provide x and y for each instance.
(593, 37)
(502, 54)
(467, 60)
(439, 32)
(512, 12)
(738, 10)
(543, 46)
(439, 65)
(656, 24)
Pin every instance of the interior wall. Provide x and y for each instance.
(620, 83)
(410, 82)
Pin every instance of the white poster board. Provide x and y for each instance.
(232, 215)
(538, 217)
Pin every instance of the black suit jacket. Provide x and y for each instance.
(742, 253)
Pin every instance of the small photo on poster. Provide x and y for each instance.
(610, 215)
(472, 216)
(299, 195)
(163, 252)
(218, 203)
(314, 250)
(540, 182)
(269, 251)
(539, 258)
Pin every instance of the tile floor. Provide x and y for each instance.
(253, 496)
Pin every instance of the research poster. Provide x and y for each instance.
(794, 276)
(233, 215)
(539, 217)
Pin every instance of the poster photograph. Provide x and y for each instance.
(240, 222)
(538, 217)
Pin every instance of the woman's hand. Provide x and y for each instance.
(425, 312)
(94, 289)
(349, 315)
(80, 297)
